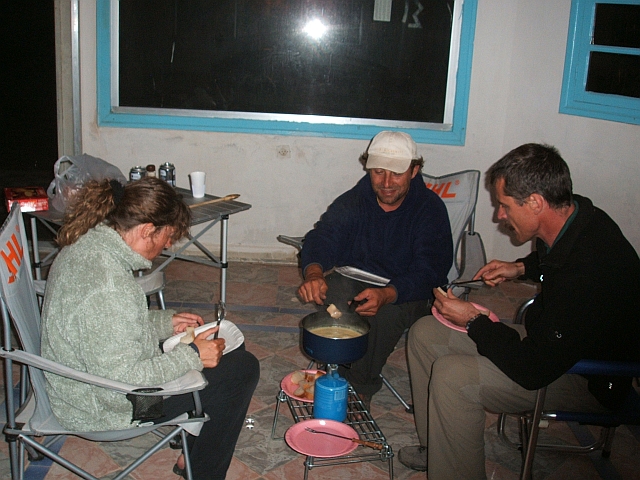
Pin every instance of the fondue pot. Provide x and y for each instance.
(334, 350)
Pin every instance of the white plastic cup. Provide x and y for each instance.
(197, 184)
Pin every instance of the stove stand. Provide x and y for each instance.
(358, 417)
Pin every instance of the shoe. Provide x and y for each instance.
(181, 472)
(414, 457)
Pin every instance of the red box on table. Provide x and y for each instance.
(31, 199)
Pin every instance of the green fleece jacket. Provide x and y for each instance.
(95, 319)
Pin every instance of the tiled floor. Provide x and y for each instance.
(262, 301)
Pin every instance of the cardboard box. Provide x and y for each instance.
(31, 199)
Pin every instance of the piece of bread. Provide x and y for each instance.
(299, 392)
(333, 311)
(297, 377)
(305, 382)
(309, 392)
(189, 336)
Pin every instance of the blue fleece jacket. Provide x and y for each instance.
(411, 245)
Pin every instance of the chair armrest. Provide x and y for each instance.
(152, 282)
(39, 286)
(292, 241)
(591, 367)
(189, 382)
(606, 367)
(522, 310)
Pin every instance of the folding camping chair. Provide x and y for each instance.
(530, 423)
(459, 192)
(31, 415)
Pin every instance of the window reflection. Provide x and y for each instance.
(249, 56)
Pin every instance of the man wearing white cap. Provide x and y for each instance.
(389, 225)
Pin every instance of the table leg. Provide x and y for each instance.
(36, 250)
(224, 225)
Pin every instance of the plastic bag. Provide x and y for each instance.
(72, 172)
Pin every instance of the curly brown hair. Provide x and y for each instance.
(148, 200)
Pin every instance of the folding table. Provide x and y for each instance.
(202, 213)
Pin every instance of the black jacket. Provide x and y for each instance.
(589, 307)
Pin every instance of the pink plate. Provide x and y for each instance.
(289, 387)
(492, 316)
(318, 445)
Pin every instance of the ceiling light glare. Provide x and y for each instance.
(315, 29)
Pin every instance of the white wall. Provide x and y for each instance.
(515, 90)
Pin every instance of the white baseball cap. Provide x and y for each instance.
(392, 151)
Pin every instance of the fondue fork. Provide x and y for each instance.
(470, 283)
(221, 312)
(377, 446)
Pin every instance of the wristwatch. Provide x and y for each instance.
(471, 320)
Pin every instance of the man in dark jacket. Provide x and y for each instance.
(389, 225)
(581, 260)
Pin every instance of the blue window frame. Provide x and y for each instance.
(602, 64)
(451, 131)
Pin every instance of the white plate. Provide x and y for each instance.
(362, 276)
(232, 335)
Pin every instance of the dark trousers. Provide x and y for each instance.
(386, 328)
(225, 399)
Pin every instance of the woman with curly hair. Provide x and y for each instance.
(95, 319)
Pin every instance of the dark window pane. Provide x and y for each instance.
(617, 25)
(614, 73)
(252, 56)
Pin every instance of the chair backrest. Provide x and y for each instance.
(16, 282)
(19, 301)
(459, 192)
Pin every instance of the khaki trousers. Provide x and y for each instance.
(453, 385)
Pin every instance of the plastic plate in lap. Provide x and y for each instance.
(232, 335)
(492, 316)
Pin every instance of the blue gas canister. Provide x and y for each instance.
(330, 397)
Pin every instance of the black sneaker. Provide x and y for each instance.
(414, 457)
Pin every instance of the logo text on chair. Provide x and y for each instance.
(442, 189)
(13, 259)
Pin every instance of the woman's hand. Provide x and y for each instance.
(183, 320)
(210, 351)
